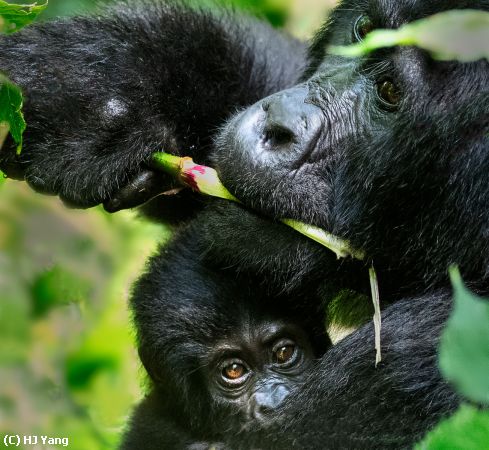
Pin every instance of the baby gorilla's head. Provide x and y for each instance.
(222, 354)
(250, 370)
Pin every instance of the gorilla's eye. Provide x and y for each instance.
(362, 27)
(284, 353)
(234, 371)
(388, 93)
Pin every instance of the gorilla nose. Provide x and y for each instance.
(267, 400)
(289, 120)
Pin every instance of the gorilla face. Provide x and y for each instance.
(250, 373)
(364, 147)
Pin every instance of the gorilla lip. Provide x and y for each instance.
(204, 180)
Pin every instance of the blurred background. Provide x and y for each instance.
(68, 367)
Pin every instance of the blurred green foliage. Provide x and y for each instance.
(67, 360)
(467, 429)
(464, 349)
(275, 11)
(68, 366)
(15, 17)
(464, 361)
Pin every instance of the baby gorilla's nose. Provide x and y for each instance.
(289, 121)
(266, 400)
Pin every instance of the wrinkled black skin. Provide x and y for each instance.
(407, 184)
(188, 327)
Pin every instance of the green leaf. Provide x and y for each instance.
(11, 117)
(349, 309)
(464, 349)
(461, 35)
(57, 287)
(467, 429)
(82, 367)
(14, 17)
(2, 178)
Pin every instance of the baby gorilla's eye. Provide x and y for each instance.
(362, 27)
(284, 354)
(234, 371)
(388, 93)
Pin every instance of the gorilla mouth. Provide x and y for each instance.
(204, 180)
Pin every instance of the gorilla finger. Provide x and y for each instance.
(141, 189)
(71, 199)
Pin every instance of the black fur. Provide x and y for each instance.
(113, 76)
(407, 182)
(183, 309)
(350, 404)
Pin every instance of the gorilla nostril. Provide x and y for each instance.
(277, 136)
(263, 410)
(266, 401)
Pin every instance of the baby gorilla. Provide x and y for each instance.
(221, 354)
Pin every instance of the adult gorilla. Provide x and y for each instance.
(389, 151)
